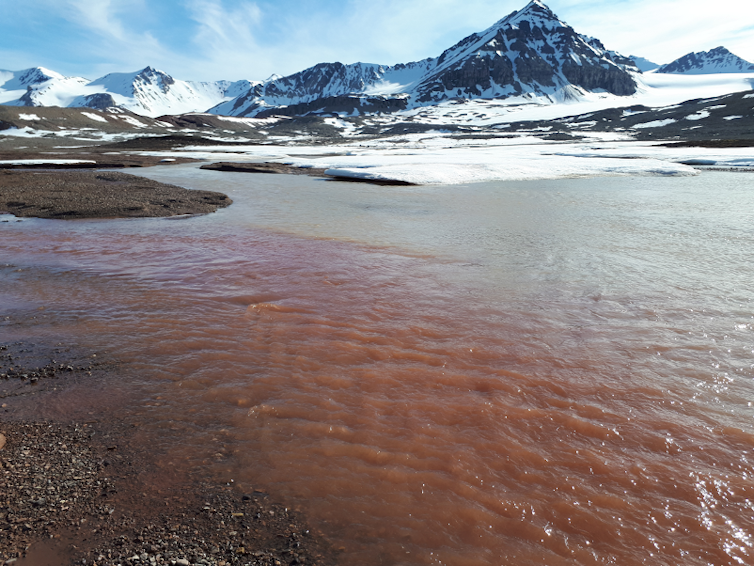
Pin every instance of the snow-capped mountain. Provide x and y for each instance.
(148, 92)
(38, 87)
(718, 60)
(528, 53)
(153, 93)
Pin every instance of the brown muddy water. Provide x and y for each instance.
(553, 372)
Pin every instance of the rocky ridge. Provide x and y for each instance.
(718, 60)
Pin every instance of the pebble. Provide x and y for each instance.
(2, 439)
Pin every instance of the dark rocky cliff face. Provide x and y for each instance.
(99, 101)
(336, 104)
(322, 79)
(152, 76)
(596, 77)
(528, 51)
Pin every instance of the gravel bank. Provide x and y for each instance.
(84, 491)
(67, 489)
(93, 194)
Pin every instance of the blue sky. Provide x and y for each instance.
(235, 39)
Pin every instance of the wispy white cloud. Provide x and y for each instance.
(99, 16)
(223, 29)
(105, 24)
(225, 37)
(663, 30)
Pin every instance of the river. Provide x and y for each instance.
(540, 372)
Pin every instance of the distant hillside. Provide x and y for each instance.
(718, 60)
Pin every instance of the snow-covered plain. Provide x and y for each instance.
(442, 160)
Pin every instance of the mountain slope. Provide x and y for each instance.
(718, 60)
(325, 81)
(528, 53)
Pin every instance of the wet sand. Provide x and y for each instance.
(92, 194)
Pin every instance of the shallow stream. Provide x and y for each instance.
(540, 372)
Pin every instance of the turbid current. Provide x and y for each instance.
(541, 372)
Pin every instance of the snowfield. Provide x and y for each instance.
(441, 160)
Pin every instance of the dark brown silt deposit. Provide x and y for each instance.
(96, 194)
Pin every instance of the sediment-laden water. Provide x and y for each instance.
(542, 372)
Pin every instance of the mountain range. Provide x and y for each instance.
(148, 92)
(529, 55)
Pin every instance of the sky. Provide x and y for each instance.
(244, 39)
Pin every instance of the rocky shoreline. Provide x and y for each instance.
(70, 494)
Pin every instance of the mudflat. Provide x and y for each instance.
(70, 194)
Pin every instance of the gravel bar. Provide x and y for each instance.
(82, 492)
(99, 194)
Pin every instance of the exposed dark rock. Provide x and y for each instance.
(99, 101)
(350, 105)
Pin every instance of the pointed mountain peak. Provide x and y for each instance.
(536, 6)
(150, 71)
(151, 75)
(534, 12)
(720, 51)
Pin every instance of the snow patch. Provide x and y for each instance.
(28, 117)
(133, 121)
(655, 124)
(701, 115)
(95, 117)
